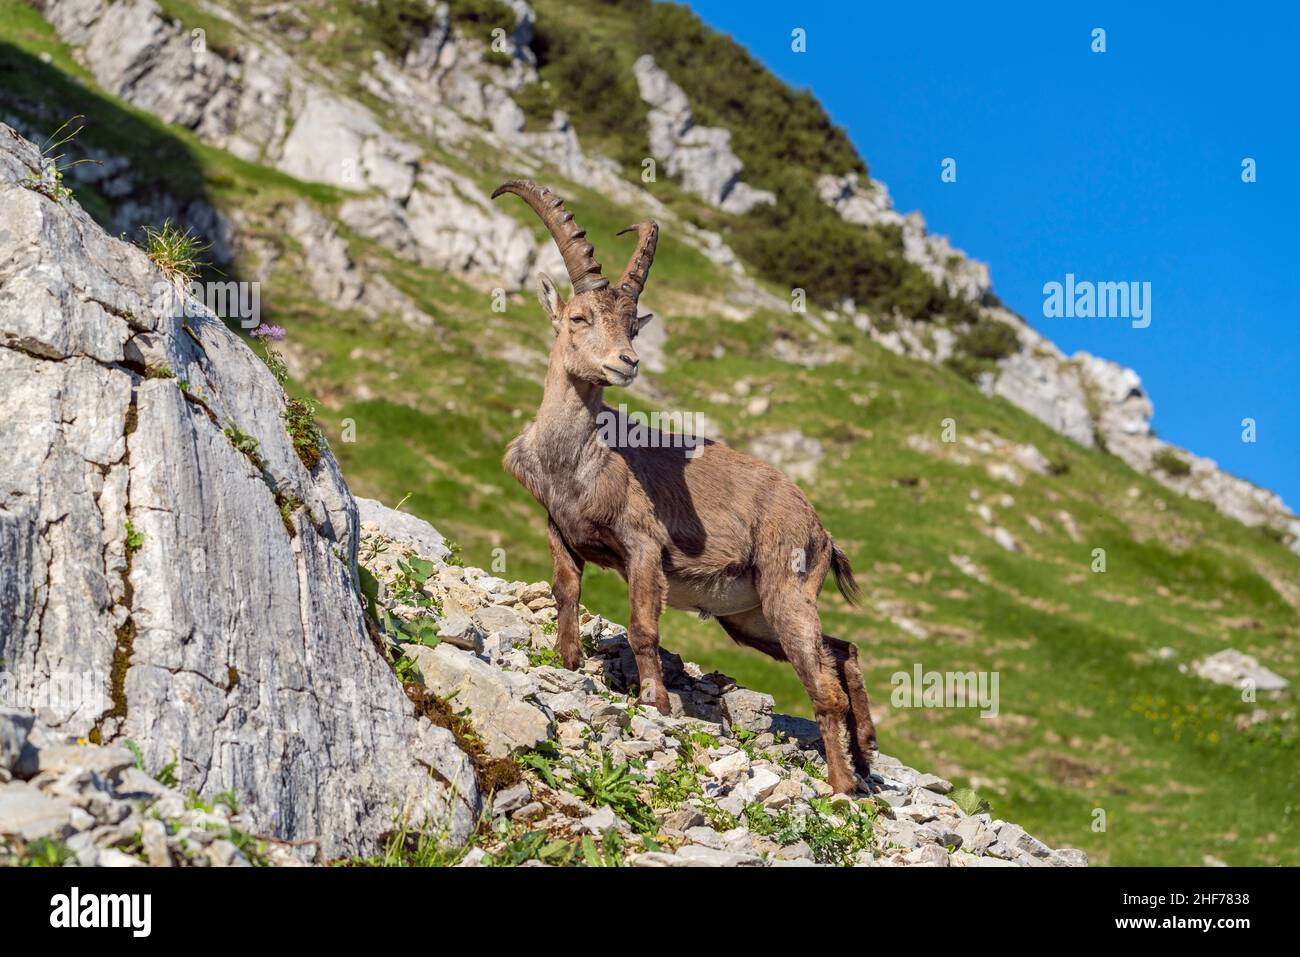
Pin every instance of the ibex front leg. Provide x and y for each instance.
(566, 586)
(647, 588)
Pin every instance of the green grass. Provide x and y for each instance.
(177, 252)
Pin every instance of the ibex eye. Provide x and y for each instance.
(582, 319)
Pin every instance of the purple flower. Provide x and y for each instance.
(274, 333)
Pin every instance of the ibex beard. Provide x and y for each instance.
(713, 531)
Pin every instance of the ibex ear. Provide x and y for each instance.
(643, 321)
(549, 296)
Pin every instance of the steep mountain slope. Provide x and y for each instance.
(342, 157)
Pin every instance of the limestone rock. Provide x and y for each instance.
(245, 645)
(15, 725)
(1231, 667)
(700, 155)
(506, 722)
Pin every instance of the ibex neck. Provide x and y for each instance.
(567, 418)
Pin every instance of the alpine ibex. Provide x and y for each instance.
(703, 528)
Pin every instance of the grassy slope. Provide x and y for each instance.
(1090, 717)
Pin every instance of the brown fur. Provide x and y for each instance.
(718, 532)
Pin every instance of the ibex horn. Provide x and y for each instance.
(638, 267)
(579, 255)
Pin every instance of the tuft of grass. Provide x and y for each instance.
(424, 846)
(178, 254)
(49, 182)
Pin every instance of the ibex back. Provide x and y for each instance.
(703, 528)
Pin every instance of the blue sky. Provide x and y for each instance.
(1123, 165)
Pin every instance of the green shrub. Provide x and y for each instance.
(397, 24)
(596, 87)
(1171, 463)
(988, 339)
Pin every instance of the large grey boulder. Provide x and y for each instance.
(156, 583)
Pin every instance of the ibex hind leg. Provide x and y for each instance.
(791, 628)
(862, 729)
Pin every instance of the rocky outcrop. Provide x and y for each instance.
(700, 155)
(65, 802)
(870, 205)
(265, 106)
(135, 52)
(1100, 403)
(1094, 401)
(172, 572)
(722, 781)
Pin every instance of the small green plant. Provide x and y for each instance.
(835, 831)
(159, 372)
(606, 783)
(407, 587)
(44, 852)
(970, 801)
(245, 443)
(422, 631)
(545, 657)
(288, 504)
(407, 669)
(176, 253)
(49, 182)
(608, 854)
(166, 775)
(134, 539)
(542, 759)
(534, 846)
(266, 334)
(300, 421)
(455, 557)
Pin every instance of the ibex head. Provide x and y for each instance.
(594, 329)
